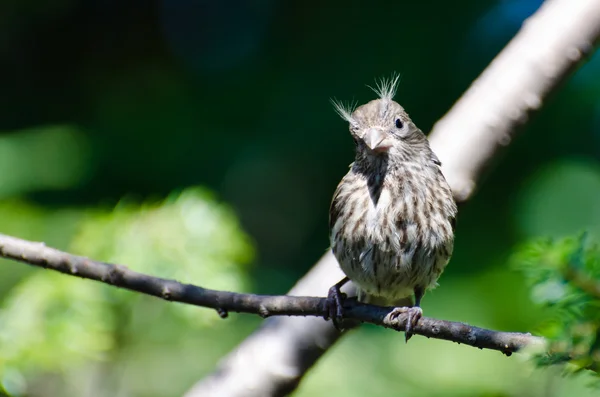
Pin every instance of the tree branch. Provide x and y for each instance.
(549, 47)
(38, 254)
(551, 44)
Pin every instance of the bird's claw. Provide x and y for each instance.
(413, 314)
(335, 308)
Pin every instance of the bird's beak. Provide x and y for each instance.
(377, 140)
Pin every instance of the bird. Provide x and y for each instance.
(393, 216)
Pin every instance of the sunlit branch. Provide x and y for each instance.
(38, 254)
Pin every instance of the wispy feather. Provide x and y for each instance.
(386, 88)
(345, 110)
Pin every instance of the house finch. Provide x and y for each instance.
(392, 216)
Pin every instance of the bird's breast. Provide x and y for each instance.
(376, 212)
(390, 238)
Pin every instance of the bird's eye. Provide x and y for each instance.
(399, 124)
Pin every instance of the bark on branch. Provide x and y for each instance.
(38, 254)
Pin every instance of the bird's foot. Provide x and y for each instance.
(413, 314)
(335, 309)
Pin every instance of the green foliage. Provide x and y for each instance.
(56, 324)
(564, 275)
(189, 237)
(48, 316)
(61, 153)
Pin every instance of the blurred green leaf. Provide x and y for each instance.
(189, 236)
(563, 274)
(55, 323)
(560, 199)
(54, 157)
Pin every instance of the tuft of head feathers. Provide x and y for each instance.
(345, 110)
(386, 88)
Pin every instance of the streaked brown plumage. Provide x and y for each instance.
(392, 215)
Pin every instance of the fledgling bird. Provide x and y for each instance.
(392, 216)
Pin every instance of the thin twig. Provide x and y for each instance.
(38, 254)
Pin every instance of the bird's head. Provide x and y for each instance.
(382, 130)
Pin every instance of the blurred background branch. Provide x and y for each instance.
(549, 47)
